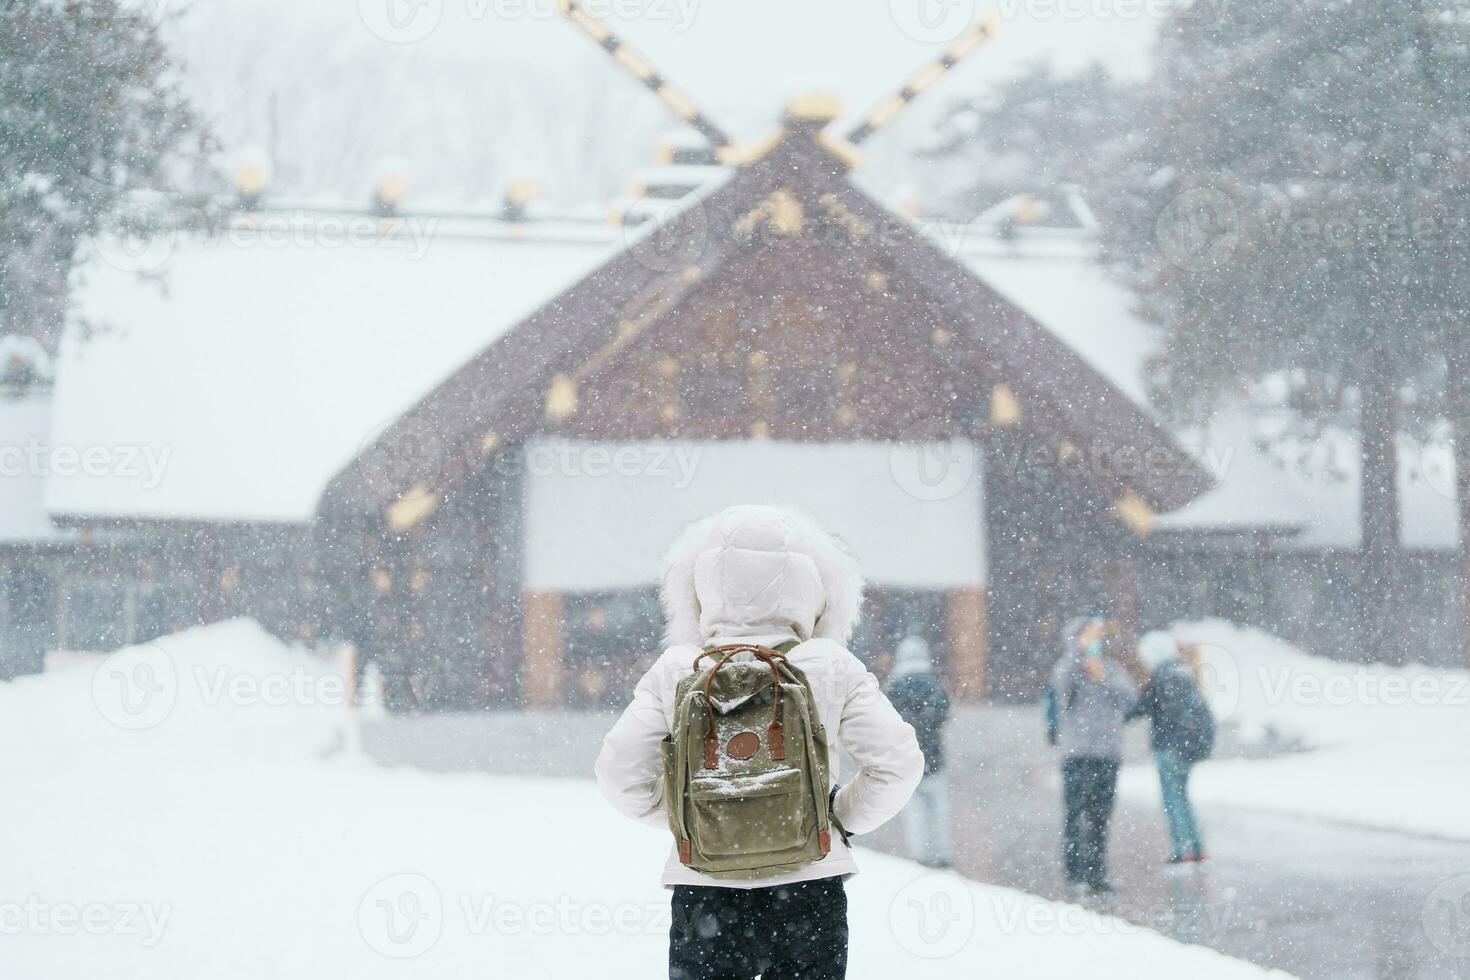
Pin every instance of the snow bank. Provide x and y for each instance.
(226, 688)
(213, 840)
(1382, 747)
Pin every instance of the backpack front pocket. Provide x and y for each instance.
(755, 813)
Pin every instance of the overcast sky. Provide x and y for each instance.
(413, 67)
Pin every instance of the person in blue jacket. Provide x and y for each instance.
(1183, 734)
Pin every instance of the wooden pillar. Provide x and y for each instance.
(1122, 584)
(969, 642)
(542, 661)
(501, 521)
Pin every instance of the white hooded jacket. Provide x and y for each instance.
(762, 575)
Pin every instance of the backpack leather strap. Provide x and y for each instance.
(775, 735)
(755, 648)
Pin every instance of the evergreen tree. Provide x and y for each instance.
(1036, 132)
(1294, 206)
(89, 112)
(1287, 191)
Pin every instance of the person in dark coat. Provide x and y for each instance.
(921, 700)
(1183, 734)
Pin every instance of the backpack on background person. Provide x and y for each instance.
(1194, 722)
(1182, 720)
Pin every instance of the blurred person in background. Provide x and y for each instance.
(1183, 734)
(922, 701)
(1086, 705)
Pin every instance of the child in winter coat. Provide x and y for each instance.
(1183, 734)
(764, 576)
(922, 701)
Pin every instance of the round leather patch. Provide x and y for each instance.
(743, 745)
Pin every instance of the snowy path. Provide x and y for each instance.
(1320, 900)
(180, 814)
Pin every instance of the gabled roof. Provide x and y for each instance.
(1072, 297)
(499, 395)
(263, 356)
(1074, 399)
(289, 396)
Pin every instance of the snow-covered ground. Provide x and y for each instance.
(195, 809)
(1381, 747)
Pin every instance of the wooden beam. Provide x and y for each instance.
(890, 108)
(561, 398)
(1122, 584)
(407, 511)
(643, 70)
(1134, 511)
(814, 107)
(1005, 407)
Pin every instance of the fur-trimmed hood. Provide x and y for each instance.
(759, 572)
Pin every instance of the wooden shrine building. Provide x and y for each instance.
(781, 337)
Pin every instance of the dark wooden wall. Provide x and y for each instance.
(816, 352)
(438, 607)
(1055, 552)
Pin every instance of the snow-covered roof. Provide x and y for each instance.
(25, 423)
(261, 361)
(253, 365)
(1054, 276)
(1059, 284)
(1314, 489)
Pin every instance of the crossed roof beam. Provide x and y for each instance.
(642, 69)
(683, 106)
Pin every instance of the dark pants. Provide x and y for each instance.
(789, 932)
(1088, 788)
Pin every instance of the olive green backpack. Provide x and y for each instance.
(745, 768)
